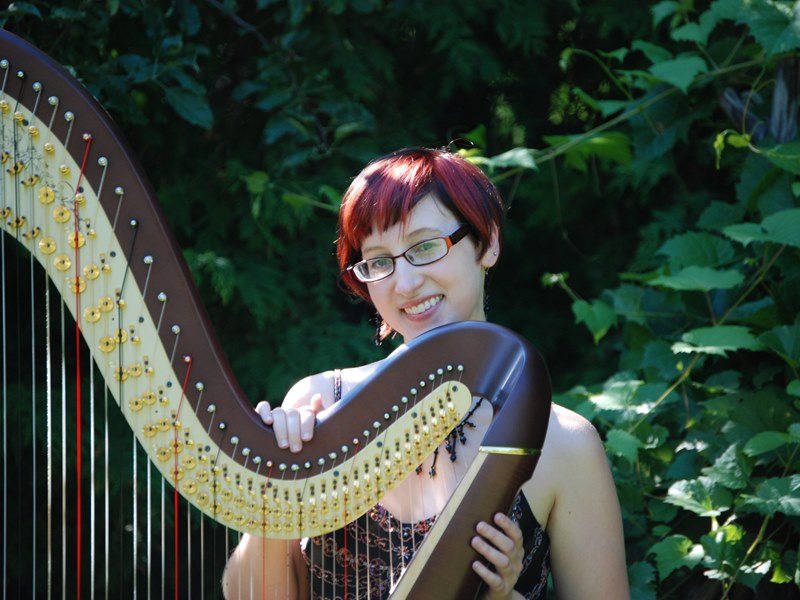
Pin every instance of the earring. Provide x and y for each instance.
(377, 321)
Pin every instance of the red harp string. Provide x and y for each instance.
(77, 243)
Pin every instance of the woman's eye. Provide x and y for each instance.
(380, 264)
(424, 248)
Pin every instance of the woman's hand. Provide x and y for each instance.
(502, 547)
(292, 425)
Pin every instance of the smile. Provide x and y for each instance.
(423, 306)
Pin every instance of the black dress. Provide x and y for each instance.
(368, 554)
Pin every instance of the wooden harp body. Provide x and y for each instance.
(75, 198)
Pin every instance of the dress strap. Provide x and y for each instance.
(337, 385)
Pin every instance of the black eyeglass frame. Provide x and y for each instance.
(451, 240)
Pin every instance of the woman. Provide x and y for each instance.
(419, 230)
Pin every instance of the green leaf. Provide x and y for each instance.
(700, 496)
(730, 469)
(697, 32)
(674, 552)
(610, 107)
(776, 495)
(191, 107)
(640, 577)
(619, 54)
(172, 44)
(718, 215)
(680, 71)
(784, 340)
(617, 395)
(701, 249)
(664, 9)
(738, 140)
(624, 444)
(516, 157)
(766, 441)
(699, 279)
(626, 301)
(598, 316)
(786, 156)
(774, 25)
(655, 53)
(613, 145)
(793, 389)
(25, 8)
(257, 182)
(717, 340)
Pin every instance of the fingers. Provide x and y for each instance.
(265, 412)
(316, 404)
(291, 426)
(501, 545)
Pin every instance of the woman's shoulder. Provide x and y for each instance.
(570, 434)
(572, 450)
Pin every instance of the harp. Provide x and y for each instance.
(76, 207)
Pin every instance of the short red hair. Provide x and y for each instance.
(390, 186)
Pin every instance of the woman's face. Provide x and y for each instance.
(414, 299)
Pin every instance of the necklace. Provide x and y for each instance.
(456, 435)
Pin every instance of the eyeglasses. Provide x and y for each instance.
(423, 253)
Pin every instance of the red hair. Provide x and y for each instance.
(390, 186)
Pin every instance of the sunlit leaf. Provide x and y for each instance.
(700, 279)
(624, 444)
(717, 340)
(777, 495)
(766, 441)
(613, 145)
(674, 552)
(700, 496)
(516, 157)
(730, 469)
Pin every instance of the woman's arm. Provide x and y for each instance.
(265, 568)
(585, 526)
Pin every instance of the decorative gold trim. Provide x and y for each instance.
(507, 450)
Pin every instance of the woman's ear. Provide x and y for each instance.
(492, 252)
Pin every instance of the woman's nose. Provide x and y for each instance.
(407, 277)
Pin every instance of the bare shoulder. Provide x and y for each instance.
(568, 433)
(572, 452)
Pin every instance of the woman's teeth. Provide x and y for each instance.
(423, 306)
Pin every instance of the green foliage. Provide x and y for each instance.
(702, 412)
(678, 222)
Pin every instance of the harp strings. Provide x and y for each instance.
(68, 551)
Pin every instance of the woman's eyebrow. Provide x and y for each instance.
(420, 234)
